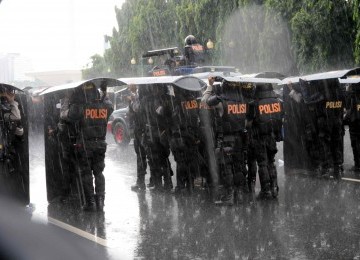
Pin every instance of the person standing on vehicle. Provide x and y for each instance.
(90, 112)
(231, 110)
(134, 119)
(194, 52)
(265, 119)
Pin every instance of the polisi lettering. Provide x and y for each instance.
(333, 104)
(190, 104)
(270, 108)
(159, 73)
(96, 113)
(236, 108)
(197, 47)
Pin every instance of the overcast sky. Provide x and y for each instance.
(56, 34)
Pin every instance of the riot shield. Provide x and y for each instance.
(63, 181)
(14, 156)
(62, 177)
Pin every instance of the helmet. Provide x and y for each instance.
(190, 39)
(264, 87)
(264, 90)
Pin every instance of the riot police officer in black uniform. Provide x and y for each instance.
(155, 121)
(10, 127)
(230, 138)
(90, 112)
(66, 135)
(194, 52)
(265, 119)
(134, 119)
(352, 118)
(184, 138)
(325, 103)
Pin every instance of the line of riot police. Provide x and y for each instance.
(209, 136)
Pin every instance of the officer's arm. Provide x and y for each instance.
(14, 114)
(296, 96)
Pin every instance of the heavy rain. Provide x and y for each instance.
(205, 130)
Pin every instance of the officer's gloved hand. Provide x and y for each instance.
(160, 110)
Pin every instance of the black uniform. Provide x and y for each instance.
(66, 134)
(155, 120)
(353, 120)
(330, 127)
(91, 114)
(230, 138)
(194, 52)
(265, 115)
(184, 138)
(137, 125)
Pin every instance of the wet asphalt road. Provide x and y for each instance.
(311, 219)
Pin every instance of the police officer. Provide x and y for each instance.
(231, 110)
(90, 112)
(326, 99)
(265, 119)
(155, 121)
(66, 133)
(352, 118)
(193, 51)
(134, 119)
(11, 128)
(184, 138)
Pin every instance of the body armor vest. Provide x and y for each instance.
(355, 107)
(187, 113)
(94, 121)
(195, 53)
(233, 119)
(269, 115)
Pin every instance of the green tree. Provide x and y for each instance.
(356, 19)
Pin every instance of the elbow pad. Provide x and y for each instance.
(213, 100)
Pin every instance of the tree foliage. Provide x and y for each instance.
(255, 35)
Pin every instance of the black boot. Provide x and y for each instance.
(100, 202)
(227, 199)
(265, 192)
(151, 183)
(338, 172)
(274, 189)
(90, 204)
(140, 184)
(251, 186)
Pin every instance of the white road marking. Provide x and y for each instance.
(79, 232)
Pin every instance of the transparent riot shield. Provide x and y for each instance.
(62, 176)
(14, 155)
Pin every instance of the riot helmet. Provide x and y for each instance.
(86, 93)
(264, 90)
(190, 39)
